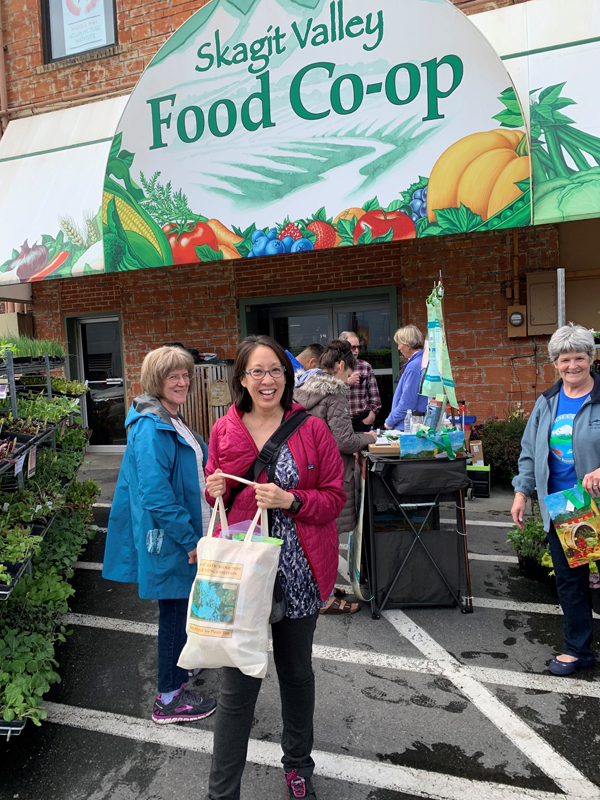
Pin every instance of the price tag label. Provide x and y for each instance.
(3, 391)
(31, 464)
(5, 507)
(19, 464)
(62, 430)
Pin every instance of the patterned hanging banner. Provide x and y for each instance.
(438, 381)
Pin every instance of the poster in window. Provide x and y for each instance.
(84, 25)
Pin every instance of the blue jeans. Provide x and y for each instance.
(573, 588)
(172, 616)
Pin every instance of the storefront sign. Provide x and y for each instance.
(282, 126)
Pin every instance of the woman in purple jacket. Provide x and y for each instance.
(306, 497)
(406, 397)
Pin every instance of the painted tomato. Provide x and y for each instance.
(380, 221)
(183, 244)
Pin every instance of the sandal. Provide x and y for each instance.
(336, 606)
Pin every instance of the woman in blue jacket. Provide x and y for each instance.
(157, 518)
(406, 397)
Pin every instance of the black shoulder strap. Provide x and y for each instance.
(270, 452)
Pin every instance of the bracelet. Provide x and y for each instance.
(522, 494)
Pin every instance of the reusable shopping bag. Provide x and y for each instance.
(577, 521)
(230, 601)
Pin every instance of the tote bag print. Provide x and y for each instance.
(577, 521)
(230, 601)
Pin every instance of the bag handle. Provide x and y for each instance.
(570, 495)
(219, 509)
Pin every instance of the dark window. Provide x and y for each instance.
(77, 26)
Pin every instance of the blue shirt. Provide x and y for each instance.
(560, 460)
(406, 396)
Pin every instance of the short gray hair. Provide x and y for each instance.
(345, 335)
(409, 336)
(571, 339)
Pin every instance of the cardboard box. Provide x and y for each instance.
(476, 449)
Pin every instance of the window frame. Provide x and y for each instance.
(47, 36)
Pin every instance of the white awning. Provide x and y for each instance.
(51, 177)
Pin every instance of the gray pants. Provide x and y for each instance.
(292, 647)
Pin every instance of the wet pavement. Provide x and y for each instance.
(424, 702)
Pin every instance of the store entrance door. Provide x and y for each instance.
(100, 363)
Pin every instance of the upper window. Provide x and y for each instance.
(77, 26)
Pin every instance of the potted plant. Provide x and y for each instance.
(531, 546)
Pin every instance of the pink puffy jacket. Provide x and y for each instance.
(320, 485)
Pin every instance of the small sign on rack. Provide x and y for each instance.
(19, 464)
(31, 462)
(3, 390)
(62, 429)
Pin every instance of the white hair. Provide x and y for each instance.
(571, 339)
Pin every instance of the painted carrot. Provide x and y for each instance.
(58, 259)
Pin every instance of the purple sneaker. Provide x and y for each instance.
(186, 706)
(297, 786)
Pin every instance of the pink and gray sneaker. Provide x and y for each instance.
(186, 706)
(297, 786)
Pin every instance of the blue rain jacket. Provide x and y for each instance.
(156, 515)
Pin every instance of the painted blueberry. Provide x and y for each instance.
(272, 234)
(257, 235)
(415, 218)
(260, 245)
(302, 246)
(416, 206)
(275, 248)
(417, 194)
(288, 242)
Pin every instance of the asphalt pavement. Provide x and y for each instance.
(426, 702)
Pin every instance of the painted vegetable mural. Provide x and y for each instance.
(480, 182)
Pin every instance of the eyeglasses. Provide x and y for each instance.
(355, 347)
(176, 378)
(259, 374)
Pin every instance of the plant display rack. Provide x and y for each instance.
(8, 370)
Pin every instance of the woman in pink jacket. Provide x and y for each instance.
(305, 496)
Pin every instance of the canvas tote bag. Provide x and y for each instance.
(230, 601)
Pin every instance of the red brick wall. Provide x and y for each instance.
(198, 305)
(191, 305)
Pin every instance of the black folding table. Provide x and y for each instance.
(408, 560)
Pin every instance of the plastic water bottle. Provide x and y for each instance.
(408, 422)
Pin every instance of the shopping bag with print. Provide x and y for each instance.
(577, 521)
(230, 601)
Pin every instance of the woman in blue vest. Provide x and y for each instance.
(561, 444)
(157, 518)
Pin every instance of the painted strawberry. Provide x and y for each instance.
(323, 230)
(289, 229)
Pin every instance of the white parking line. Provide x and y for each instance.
(493, 557)
(533, 746)
(374, 775)
(484, 523)
(525, 608)
(546, 683)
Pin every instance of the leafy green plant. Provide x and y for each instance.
(35, 348)
(75, 438)
(82, 495)
(502, 443)
(59, 385)
(6, 347)
(16, 545)
(533, 541)
(39, 407)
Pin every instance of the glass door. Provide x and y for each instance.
(101, 365)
